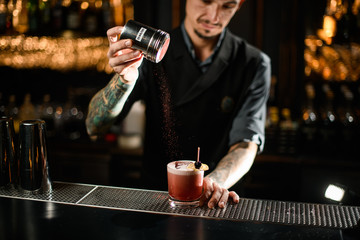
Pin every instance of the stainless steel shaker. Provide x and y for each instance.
(152, 42)
(8, 166)
(33, 162)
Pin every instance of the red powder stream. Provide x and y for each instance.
(170, 137)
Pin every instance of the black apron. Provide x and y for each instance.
(186, 109)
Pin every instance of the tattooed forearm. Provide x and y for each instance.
(234, 165)
(225, 166)
(106, 105)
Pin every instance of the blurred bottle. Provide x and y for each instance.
(46, 112)
(128, 8)
(12, 110)
(107, 15)
(272, 130)
(58, 120)
(27, 109)
(3, 15)
(287, 140)
(57, 15)
(123, 11)
(349, 122)
(347, 29)
(45, 15)
(272, 120)
(20, 16)
(329, 129)
(9, 16)
(91, 19)
(33, 15)
(73, 19)
(73, 119)
(2, 105)
(119, 12)
(309, 123)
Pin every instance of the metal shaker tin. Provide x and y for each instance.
(33, 162)
(152, 42)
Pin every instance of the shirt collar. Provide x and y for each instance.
(205, 64)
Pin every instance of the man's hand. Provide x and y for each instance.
(231, 168)
(214, 195)
(122, 58)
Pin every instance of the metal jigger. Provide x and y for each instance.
(8, 164)
(33, 164)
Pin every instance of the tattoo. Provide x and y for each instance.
(234, 165)
(106, 105)
(220, 175)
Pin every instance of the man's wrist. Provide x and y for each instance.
(122, 84)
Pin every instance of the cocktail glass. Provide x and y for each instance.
(185, 185)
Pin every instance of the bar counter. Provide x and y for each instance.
(82, 211)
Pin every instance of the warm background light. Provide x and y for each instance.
(332, 62)
(61, 54)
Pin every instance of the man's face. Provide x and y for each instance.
(207, 18)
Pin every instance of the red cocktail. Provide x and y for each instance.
(185, 185)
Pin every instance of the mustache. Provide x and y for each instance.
(209, 23)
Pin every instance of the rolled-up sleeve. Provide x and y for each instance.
(249, 123)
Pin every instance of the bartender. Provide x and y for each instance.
(209, 91)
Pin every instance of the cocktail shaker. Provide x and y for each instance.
(33, 162)
(8, 166)
(152, 42)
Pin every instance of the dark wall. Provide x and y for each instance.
(156, 13)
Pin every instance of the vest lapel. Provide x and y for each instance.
(212, 75)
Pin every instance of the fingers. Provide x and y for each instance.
(208, 186)
(123, 61)
(223, 199)
(122, 58)
(119, 48)
(235, 198)
(219, 196)
(215, 195)
(114, 34)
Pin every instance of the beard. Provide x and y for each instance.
(205, 37)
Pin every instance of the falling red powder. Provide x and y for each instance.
(169, 135)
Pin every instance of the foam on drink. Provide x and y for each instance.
(184, 184)
(181, 168)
